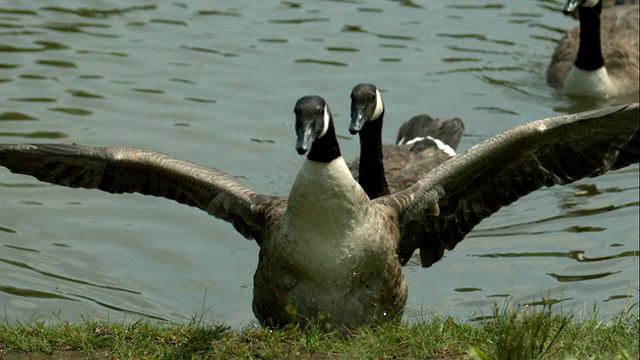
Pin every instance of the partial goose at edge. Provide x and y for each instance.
(328, 253)
(599, 58)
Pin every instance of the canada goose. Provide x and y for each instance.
(328, 254)
(600, 57)
(422, 144)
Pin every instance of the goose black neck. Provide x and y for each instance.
(325, 149)
(371, 168)
(590, 53)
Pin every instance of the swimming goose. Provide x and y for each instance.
(600, 57)
(328, 254)
(422, 143)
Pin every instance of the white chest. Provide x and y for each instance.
(596, 83)
(329, 227)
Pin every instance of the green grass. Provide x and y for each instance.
(508, 334)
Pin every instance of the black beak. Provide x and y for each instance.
(306, 137)
(358, 118)
(571, 6)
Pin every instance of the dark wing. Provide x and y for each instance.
(495, 173)
(128, 170)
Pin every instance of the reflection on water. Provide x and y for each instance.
(215, 83)
(571, 278)
(35, 135)
(577, 255)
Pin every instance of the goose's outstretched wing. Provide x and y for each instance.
(128, 170)
(475, 184)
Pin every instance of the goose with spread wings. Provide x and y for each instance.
(328, 253)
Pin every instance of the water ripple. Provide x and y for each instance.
(476, 7)
(573, 278)
(169, 22)
(98, 13)
(467, 289)
(72, 111)
(577, 255)
(395, 37)
(36, 134)
(30, 293)
(299, 21)
(342, 49)
(7, 230)
(208, 101)
(14, 115)
(18, 12)
(495, 110)
(57, 63)
(218, 13)
(84, 94)
(30, 100)
(65, 278)
(44, 45)
(480, 37)
(78, 28)
(121, 309)
(207, 50)
(320, 62)
(14, 247)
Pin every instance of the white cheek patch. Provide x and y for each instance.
(326, 119)
(590, 3)
(379, 106)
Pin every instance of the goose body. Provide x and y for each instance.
(422, 143)
(600, 57)
(329, 254)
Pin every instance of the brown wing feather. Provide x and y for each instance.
(131, 170)
(495, 173)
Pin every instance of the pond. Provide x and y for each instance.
(215, 83)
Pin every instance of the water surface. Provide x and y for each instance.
(215, 83)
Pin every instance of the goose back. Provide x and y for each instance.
(420, 142)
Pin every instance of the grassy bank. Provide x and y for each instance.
(508, 334)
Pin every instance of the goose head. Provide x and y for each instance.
(366, 105)
(571, 5)
(314, 129)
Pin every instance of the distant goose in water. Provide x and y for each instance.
(328, 254)
(422, 144)
(600, 57)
